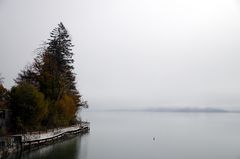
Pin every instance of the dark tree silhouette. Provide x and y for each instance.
(52, 75)
(1, 78)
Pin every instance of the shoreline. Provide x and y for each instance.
(30, 141)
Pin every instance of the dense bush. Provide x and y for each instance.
(29, 107)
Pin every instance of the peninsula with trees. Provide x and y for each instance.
(45, 96)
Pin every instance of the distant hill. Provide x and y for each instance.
(171, 109)
(207, 110)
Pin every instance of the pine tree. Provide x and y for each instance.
(52, 74)
(60, 50)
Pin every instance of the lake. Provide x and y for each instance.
(153, 135)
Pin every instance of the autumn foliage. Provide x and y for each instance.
(29, 107)
(45, 95)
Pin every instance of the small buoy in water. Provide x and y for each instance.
(153, 138)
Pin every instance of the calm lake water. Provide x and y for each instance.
(129, 135)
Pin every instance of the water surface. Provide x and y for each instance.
(129, 135)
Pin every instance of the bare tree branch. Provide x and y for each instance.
(1, 79)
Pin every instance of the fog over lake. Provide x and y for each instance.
(150, 56)
(129, 135)
(134, 53)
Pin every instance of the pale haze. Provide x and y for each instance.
(134, 53)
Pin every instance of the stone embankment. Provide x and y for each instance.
(33, 140)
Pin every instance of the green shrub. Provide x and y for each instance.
(29, 107)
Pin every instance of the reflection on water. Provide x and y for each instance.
(129, 135)
(74, 148)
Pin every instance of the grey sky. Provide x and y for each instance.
(134, 53)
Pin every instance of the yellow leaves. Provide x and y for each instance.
(66, 107)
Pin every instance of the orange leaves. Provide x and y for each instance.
(66, 107)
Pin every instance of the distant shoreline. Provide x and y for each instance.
(168, 110)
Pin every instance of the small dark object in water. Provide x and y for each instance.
(153, 138)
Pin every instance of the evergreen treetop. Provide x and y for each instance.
(52, 75)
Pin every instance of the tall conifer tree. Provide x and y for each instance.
(52, 74)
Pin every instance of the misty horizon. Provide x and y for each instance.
(134, 53)
(183, 109)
